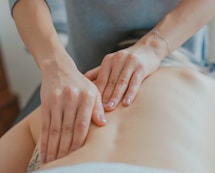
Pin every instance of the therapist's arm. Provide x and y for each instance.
(34, 23)
(68, 99)
(180, 24)
(129, 67)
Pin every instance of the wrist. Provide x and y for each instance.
(156, 43)
(56, 62)
(50, 54)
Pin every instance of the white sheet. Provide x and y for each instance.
(104, 168)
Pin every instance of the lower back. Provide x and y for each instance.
(166, 127)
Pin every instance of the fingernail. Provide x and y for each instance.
(127, 101)
(102, 118)
(110, 104)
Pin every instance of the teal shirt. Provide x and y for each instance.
(94, 27)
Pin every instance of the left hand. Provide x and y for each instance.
(121, 73)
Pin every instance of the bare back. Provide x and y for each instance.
(170, 126)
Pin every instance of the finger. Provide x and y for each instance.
(119, 61)
(92, 74)
(67, 125)
(54, 132)
(121, 86)
(104, 72)
(82, 122)
(98, 116)
(133, 87)
(46, 118)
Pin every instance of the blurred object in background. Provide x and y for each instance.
(9, 107)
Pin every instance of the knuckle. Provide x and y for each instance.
(140, 68)
(67, 128)
(44, 127)
(134, 82)
(82, 126)
(43, 145)
(119, 56)
(56, 97)
(131, 58)
(71, 92)
(112, 82)
(54, 131)
(68, 91)
(88, 93)
(121, 53)
(88, 97)
(107, 58)
(122, 81)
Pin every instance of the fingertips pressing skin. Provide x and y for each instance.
(120, 87)
(108, 93)
(54, 133)
(82, 121)
(133, 87)
(98, 116)
(117, 66)
(46, 118)
(92, 74)
(70, 111)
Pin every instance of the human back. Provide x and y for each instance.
(169, 126)
(63, 83)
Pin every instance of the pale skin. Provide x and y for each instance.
(169, 126)
(114, 83)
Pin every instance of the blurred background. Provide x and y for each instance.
(22, 73)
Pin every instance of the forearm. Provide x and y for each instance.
(35, 26)
(180, 24)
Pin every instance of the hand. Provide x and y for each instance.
(121, 74)
(68, 101)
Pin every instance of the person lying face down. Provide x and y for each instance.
(168, 128)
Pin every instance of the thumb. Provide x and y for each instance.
(98, 116)
(92, 74)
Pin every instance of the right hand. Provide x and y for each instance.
(68, 102)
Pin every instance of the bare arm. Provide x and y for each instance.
(35, 26)
(180, 24)
(68, 99)
(133, 64)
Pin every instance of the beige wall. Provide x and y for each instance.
(22, 72)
